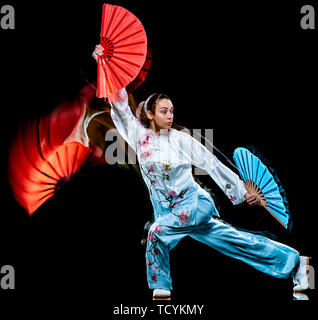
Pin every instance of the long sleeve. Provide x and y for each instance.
(225, 178)
(126, 123)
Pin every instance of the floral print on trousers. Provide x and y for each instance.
(266, 255)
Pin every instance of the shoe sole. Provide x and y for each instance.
(307, 274)
(162, 297)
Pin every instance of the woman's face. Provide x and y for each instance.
(163, 117)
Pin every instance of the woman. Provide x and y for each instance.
(181, 207)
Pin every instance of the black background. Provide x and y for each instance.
(246, 70)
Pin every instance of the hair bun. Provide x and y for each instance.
(140, 108)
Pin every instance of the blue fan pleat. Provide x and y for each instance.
(278, 214)
(250, 166)
(261, 176)
(240, 167)
(244, 163)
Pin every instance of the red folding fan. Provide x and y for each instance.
(125, 47)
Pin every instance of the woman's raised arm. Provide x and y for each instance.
(126, 123)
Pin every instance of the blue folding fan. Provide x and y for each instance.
(258, 179)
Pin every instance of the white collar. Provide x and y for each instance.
(164, 132)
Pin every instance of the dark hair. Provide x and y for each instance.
(150, 105)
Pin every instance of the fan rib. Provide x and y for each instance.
(252, 169)
(121, 68)
(273, 205)
(256, 175)
(67, 167)
(250, 164)
(46, 183)
(130, 54)
(54, 170)
(270, 190)
(103, 20)
(262, 176)
(115, 76)
(107, 82)
(270, 179)
(44, 190)
(128, 36)
(60, 164)
(245, 168)
(129, 44)
(278, 198)
(111, 34)
(279, 220)
(126, 61)
(114, 36)
(49, 195)
(75, 158)
(280, 212)
(113, 12)
(47, 175)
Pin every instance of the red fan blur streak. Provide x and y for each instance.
(125, 47)
(47, 152)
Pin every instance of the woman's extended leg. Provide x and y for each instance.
(263, 254)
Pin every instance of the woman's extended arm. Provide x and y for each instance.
(225, 178)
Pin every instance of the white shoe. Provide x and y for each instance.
(301, 278)
(300, 296)
(161, 294)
